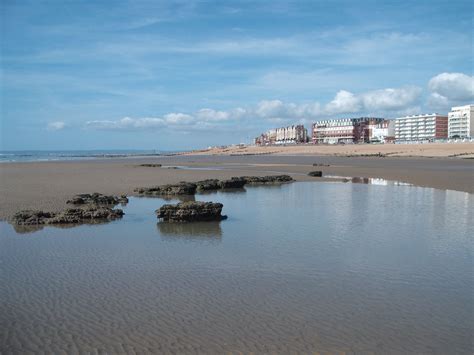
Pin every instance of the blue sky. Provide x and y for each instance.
(185, 74)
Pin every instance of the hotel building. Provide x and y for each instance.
(416, 128)
(291, 135)
(345, 130)
(460, 122)
(284, 135)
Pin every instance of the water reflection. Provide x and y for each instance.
(210, 231)
(368, 180)
(27, 229)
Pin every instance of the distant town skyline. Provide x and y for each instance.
(183, 74)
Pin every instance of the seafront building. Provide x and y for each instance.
(351, 130)
(460, 122)
(419, 128)
(291, 135)
(284, 135)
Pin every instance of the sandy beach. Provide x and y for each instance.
(47, 185)
(388, 150)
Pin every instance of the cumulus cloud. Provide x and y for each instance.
(387, 102)
(453, 87)
(391, 99)
(56, 126)
(373, 101)
(344, 102)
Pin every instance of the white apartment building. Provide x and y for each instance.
(421, 128)
(291, 134)
(382, 131)
(460, 122)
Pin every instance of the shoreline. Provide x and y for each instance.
(48, 185)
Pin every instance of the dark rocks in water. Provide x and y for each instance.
(317, 173)
(31, 217)
(264, 180)
(232, 183)
(183, 188)
(208, 185)
(191, 212)
(151, 165)
(68, 216)
(97, 199)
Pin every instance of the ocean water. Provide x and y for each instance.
(59, 155)
(304, 267)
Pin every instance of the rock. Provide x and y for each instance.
(31, 217)
(317, 173)
(232, 183)
(68, 216)
(191, 212)
(83, 215)
(183, 188)
(208, 185)
(264, 180)
(151, 165)
(97, 199)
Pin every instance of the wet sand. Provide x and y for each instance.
(47, 185)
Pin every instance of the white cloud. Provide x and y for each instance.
(391, 99)
(384, 100)
(56, 126)
(389, 102)
(207, 114)
(344, 102)
(452, 87)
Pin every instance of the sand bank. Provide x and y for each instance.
(47, 185)
(388, 150)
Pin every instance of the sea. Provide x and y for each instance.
(58, 155)
(306, 267)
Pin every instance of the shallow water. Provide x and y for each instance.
(303, 267)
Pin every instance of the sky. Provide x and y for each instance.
(172, 75)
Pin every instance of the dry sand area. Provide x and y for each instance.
(392, 150)
(47, 185)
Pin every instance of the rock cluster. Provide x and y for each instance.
(191, 212)
(232, 183)
(183, 188)
(97, 199)
(317, 173)
(188, 188)
(68, 216)
(208, 185)
(267, 180)
(151, 165)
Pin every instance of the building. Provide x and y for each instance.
(266, 138)
(291, 135)
(418, 128)
(345, 130)
(460, 122)
(383, 132)
(284, 135)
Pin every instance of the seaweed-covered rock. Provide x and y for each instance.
(208, 185)
(264, 180)
(232, 183)
(191, 212)
(183, 188)
(68, 216)
(317, 173)
(97, 199)
(84, 215)
(31, 217)
(151, 165)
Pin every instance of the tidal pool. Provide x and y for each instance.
(304, 267)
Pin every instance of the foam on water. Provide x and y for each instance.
(302, 267)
